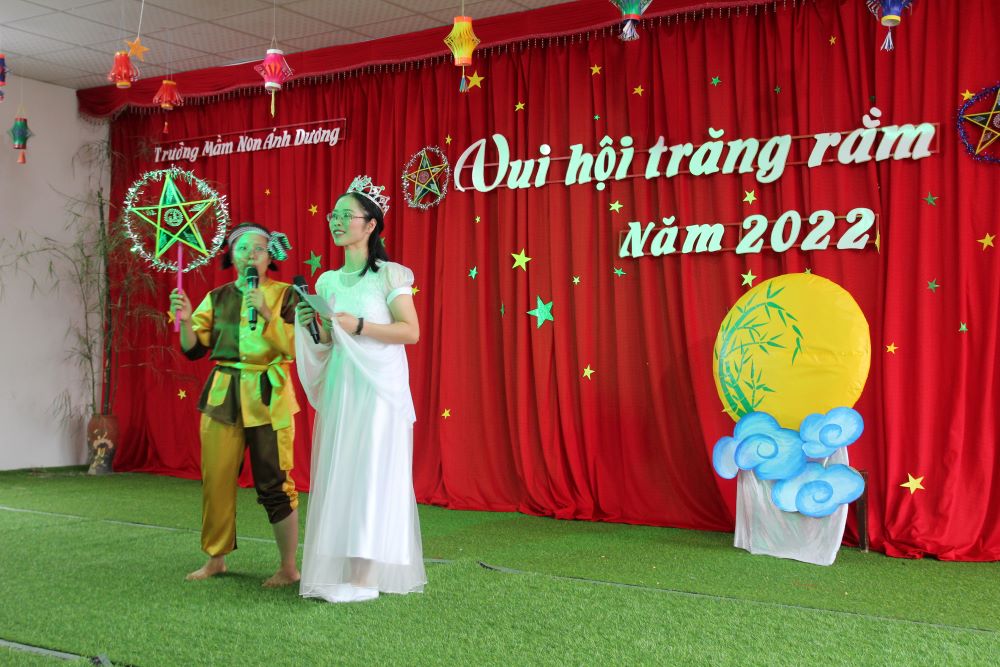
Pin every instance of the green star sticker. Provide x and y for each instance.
(931, 199)
(716, 81)
(543, 311)
(179, 217)
(777, 89)
(596, 117)
(962, 328)
(313, 262)
(932, 285)
(619, 272)
(502, 309)
(473, 272)
(576, 280)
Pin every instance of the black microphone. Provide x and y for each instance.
(253, 279)
(303, 290)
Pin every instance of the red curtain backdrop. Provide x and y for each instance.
(632, 443)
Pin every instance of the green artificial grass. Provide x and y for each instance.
(96, 566)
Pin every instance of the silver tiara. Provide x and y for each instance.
(363, 186)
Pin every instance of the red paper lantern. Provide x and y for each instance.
(123, 73)
(168, 96)
(275, 71)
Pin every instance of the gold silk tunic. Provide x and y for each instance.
(255, 361)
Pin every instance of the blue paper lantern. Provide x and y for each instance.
(892, 11)
(890, 14)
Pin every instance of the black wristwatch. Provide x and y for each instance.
(361, 325)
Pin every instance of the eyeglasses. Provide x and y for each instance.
(344, 216)
(249, 252)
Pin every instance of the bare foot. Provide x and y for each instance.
(215, 565)
(282, 578)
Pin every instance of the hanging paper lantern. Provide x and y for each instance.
(168, 96)
(890, 14)
(891, 11)
(3, 74)
(123, 73)
(275, 71)
(632, 11)
(462, 42)
(19, 135)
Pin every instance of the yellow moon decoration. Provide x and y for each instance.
(792, 346)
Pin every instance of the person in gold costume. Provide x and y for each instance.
(248, 400)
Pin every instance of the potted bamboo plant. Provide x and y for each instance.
(82, 265)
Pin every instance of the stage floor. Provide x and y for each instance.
(95, 566)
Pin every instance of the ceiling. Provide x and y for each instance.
(71, 42)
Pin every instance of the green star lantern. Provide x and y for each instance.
(174, 209)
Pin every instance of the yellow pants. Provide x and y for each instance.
(222, 447)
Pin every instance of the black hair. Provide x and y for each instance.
(376, 251)
(227, 251)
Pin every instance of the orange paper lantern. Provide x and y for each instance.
(462, 42)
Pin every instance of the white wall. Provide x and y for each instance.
(35, 369)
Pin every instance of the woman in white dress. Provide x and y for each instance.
(362, 528)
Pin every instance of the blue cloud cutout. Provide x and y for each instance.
(759, 444)
(822, 435)
(724, 457)
(818, 491)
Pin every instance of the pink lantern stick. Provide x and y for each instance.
(180, 282)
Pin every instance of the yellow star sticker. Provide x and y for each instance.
(615, 206)
(475, 80)
(638, 90)
(446, 413)
(267, 192)
(750, 196)
(878, 240)
(414, 289)
(588, 371)
(477, 219)
(833, 40)
(987, 241)
(181, 394)
(447, 140)
(136, 49)
(576, 280)
(519, 106)
(170, 317)
(595, 69)
(314, 209)
(748, 278)
(891, 348)
(913, 483)
(520, 260)
(968, 95)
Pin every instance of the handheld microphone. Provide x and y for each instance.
(303, 290)
(252, 279)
